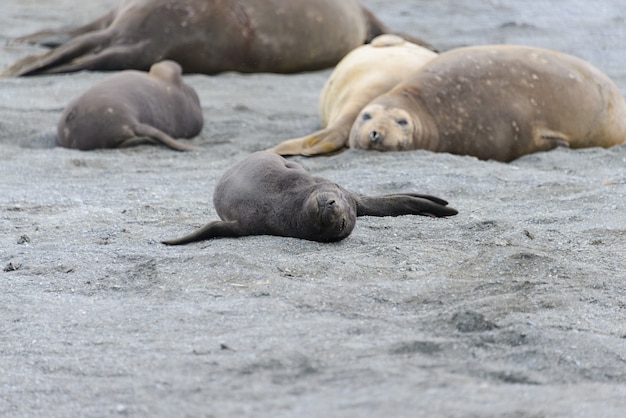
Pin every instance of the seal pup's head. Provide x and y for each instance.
(330, 214)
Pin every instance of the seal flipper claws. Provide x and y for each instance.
(211, 230)
(547, 139)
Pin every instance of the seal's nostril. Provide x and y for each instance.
(375, 136)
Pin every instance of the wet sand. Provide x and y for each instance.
(516, 307)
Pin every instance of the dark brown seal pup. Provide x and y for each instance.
(132, 108)
(264, 194)
(495, 102)
(208, 36)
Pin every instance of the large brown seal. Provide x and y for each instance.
(208, 36)
(365, 73)
(495, 102)
(132, 108)
(264, 194)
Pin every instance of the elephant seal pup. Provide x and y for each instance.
(132, 108)
(264, 194)
(208, 36)
(362, 75)
(495, 102)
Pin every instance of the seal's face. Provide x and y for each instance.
(332, 216)
(382, 128)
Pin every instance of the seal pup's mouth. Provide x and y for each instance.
(333, 216)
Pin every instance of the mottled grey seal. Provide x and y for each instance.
(132, 108)
(208, 36)
(264, 194)
(365, 73)
(495, 102)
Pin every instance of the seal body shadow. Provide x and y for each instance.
(132, 108)
(264, 194)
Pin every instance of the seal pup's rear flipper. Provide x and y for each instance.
(146, 134)
(213, 229)
(403, 204)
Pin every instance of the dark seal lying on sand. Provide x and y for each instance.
(264, 194)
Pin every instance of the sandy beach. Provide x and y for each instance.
(516, 307)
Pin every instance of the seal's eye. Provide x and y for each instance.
(402, 122)
(366, 116)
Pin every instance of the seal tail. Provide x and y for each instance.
(403, 204)
(51, 61)
(211, 230)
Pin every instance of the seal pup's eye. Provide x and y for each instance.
(402, 122)
(366, 116)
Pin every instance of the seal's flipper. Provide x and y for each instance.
(375, 27)
(211, 230)
(52, 60)
(403, 204)
(47, 39)
(424, 196)
(148, 134)
(118, 57)
(325, 141)
(53, 38)
(291, 146)
(547, 139)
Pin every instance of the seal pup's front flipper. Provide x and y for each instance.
(213, 229)
(403, 204)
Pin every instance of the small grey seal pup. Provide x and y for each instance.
(132, 108)
(264, 194)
